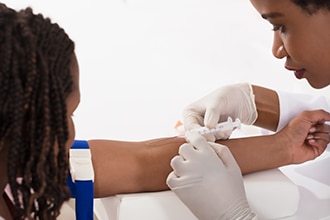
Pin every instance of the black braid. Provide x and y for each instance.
(35, 81)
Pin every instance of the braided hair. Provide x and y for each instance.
(35, 81)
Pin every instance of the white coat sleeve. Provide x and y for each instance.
(291, 104)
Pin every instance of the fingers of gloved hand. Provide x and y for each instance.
(210, 137)
(173, 181)
(212, 116)
(193, 117)
(178, 165)
(223, 135)
(211, 119)
(198, 141)
(193, 122)
(187, 151)
(225, 155)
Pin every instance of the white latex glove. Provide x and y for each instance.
(235, 101)
(209, 183)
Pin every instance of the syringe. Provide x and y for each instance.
(227, 126)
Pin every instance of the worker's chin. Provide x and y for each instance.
(318, 85)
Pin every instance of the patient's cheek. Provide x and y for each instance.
(72, 133)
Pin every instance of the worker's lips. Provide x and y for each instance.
(299, 73)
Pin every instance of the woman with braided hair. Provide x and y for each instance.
(39, 91)
(37, 96)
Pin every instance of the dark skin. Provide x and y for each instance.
(144, 166)
(125, 167)
(290, 146)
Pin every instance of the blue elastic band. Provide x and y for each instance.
(82, 190)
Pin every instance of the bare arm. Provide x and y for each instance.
(268, 109)
(127, 167)
(258, 153)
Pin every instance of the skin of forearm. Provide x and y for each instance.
(128, 167)
(268, 109)
(258, 153)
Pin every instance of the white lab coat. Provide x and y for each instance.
(291, 104)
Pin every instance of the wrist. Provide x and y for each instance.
(283, 148)
(260, 152)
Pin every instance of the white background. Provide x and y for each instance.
(143, 61)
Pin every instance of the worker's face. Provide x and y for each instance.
(73, 99)
(302, 38)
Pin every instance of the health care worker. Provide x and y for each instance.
(208, 180)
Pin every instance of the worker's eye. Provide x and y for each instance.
(280, 28)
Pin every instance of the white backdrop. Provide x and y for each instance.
(143, 61)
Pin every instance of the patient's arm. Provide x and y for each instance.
(126, 167)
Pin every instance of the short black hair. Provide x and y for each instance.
(312, 6)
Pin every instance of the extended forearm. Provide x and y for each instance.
(127, 167)
(258, 153)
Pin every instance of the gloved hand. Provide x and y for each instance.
(235, 101)
(209, 183)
